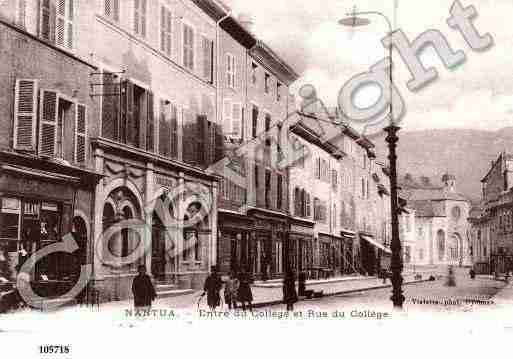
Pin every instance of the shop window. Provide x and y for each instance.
(9, 224)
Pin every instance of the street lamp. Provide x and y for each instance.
(357, 19)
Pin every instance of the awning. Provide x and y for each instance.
(375, 243)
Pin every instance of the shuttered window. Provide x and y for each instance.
(164, 129)
(25, 114)
(140, 17)
(236, 131)
(174, 132)
(150, 123)
(208, 60)
(188, 47)
(227, 117)
(111, 9)
(80, 133)
(47, 20)
(165, 30)
(64, 23)
(110, 107)
(48, 123)
(201, 140)
(230, 70)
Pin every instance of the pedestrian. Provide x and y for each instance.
(212, 287)
(230, 291)
(289, 290)
(143, 289)
(451, 278)
(244, 294)
(472, 273)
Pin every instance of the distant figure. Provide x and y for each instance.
(289, 290)
(451, 278)
(143, 289)
(212, 287)
(472, 273)
(230, 291)
(244, 294)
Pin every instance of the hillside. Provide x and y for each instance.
(465, 153)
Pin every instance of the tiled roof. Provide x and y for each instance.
(427, 209)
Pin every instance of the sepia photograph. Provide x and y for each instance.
(245, 178)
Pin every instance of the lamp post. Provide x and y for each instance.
(354, 20)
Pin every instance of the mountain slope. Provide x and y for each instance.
(465, 153)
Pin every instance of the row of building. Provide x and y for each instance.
(109, 106)
(491, 231)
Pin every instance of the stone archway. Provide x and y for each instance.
(122, 204)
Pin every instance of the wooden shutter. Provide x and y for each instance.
(80, 133)
(127, 104)
(201, 140)
(174, 131)
(150, 123)
(142, 14)
(137, 16)
(48, 123)
(164, 129)
(308, 206)
(110, 107)
(236, 129)
(165, 30)
(227, 117)
(64, 23)
(188, 136)
(208, 48)
(47, 20)
(25, 114)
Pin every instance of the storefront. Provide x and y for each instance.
(268, 243)
(234, 243)
(41, 202)
(300, 245)
(348, 265)
(374, 256)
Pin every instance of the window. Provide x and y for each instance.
(168, 129)
(267, 188)
(9, 223)
(257, 184)
(230, 70)
(254, 121)
(56, 22)
(136, 116)
(140, 17)
(267, 83)
(208, 60)
(363, 188)
(25, 114)
(165, 30)
(111, 9)
(267, 129)
(334, 179)
(319, 211)
(254, 68)
(279, 191)
(20, 13)
(278, 91)
(232, 119)
(80, 133)
(188, 47)
(334, 216)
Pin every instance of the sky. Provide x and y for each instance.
(477, 94)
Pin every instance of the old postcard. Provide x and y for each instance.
(237, 177)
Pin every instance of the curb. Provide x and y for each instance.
(276, 302)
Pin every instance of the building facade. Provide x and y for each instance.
(491, 222)
(47, 176)
(440, 228)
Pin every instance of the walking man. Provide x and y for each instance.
(212, 287)
(143, 289)
(289, 290)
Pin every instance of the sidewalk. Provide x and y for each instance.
(272, 294)
(505, 296)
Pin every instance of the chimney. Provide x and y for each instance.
(246, 20)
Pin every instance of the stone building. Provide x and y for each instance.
(47, 174)
(440, 226)
(492, 221)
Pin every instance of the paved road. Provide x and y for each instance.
(420, 296)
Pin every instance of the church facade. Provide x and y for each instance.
(436, 230)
